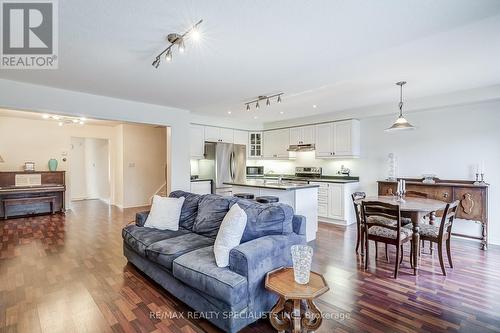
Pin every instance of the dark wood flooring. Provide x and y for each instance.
(67, 274)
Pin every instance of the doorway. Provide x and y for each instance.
(90, 169)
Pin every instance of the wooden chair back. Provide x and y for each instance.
(382, 209)
(357, 207)
(449, 214)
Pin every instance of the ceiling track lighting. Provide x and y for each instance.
(179, 40)
(401, 123)
(267, 98)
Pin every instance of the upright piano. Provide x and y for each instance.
(28, 193)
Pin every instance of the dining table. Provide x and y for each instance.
(414, 208)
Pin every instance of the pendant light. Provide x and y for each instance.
(401, 123)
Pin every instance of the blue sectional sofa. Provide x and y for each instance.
(183, 262)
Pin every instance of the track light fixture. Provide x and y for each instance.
(179, 40)
(267, 98)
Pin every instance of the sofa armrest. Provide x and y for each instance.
(140, 218)
(299, 224)
(255, 258)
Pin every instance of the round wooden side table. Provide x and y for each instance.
(287, 314)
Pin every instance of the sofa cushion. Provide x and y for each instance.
(189, 208)
(266, 219)
(211, 212)
(199, 270)
(165, 251)
(139, 238)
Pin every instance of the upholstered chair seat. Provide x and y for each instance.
(389, 233)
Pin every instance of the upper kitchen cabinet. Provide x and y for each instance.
(324, 140)
(218, 134)
(276, 143)
(346, 141)
(302, 135)
(255, 145)
(240, 137)
(338, 139)
(197, 141)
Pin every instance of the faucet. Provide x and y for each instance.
(280, 179)
(344, 171)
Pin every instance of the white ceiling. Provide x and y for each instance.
(336, 54)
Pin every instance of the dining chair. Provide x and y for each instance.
(356, 196)
(372, 213)
(441, 233)
(357, 210)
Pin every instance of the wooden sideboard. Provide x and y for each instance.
(473, 199)
(46, 197)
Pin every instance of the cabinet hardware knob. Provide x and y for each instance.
(445, 195)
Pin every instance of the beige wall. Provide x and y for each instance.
(36, 140)
(144, 159)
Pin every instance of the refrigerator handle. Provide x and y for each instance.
(231, 165)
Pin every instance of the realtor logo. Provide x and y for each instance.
(29, 34)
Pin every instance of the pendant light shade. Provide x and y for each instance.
(401, 123)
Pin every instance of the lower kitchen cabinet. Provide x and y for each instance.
(334, 202)
(201, 187)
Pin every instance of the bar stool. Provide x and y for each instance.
(267, 199)
(244, 195)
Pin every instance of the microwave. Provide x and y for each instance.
(255, 171)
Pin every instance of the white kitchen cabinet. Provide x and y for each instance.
(218, 134)
(324, 140)
(302, 135)
(276, 143)
(334, 202)
(240, 137)
(201, 187)
(227, 135)
(346, 140)
(197, 141)
(338, 139)
(255, 145)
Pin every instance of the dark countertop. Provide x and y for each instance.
(200, 180)
(271, 185)
(325, 179)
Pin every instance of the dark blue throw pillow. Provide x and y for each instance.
(189, 209)
(211, 212)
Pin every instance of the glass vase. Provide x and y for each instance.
(302, 259)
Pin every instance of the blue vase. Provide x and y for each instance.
(52, 164)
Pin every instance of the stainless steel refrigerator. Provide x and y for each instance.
(223, 163)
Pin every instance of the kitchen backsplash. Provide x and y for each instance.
(287, 167)
(306, 159)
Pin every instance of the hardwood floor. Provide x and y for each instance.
(67, 273)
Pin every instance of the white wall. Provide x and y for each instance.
(36, 140)
(448, 142)
(97, 169)
(90, 169)
(144, 160)
(30, 97)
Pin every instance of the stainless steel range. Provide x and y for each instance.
(308, 172)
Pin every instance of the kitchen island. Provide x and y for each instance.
(302, 197)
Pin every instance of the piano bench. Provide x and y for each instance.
(26, 201)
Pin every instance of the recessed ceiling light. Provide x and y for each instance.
(45, 116)
(60, 123)
(229, 112)
(314, 106)
(56, 117)
(83, 119)
(281, 112)
(255, 117)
